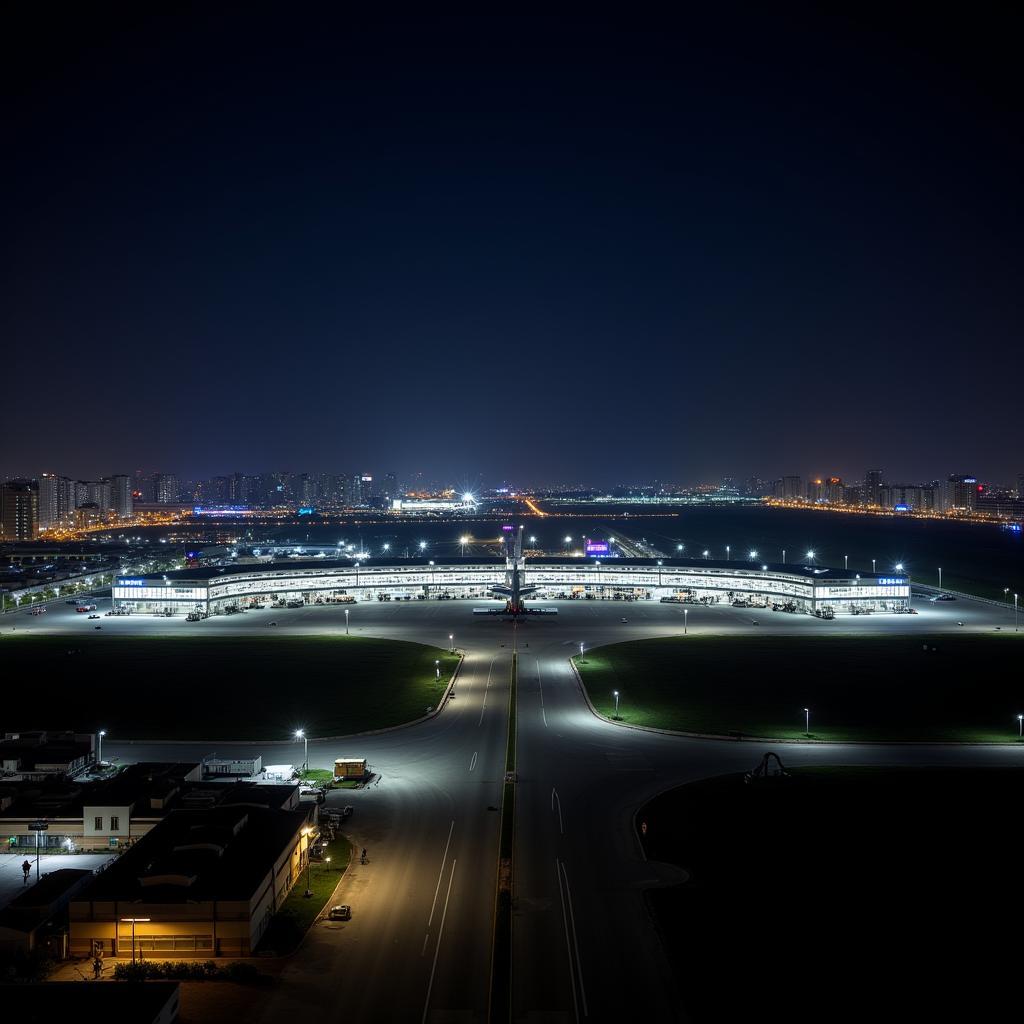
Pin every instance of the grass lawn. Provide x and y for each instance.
(293, 920)
(217, 688)
(840, 893)
(866, 687)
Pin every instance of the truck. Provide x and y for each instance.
(349, 769)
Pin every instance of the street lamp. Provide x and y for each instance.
(437, 669)
(300, 734)
(753, 554)
(451, 643)
(686, 611)
(133, 921)
(1020, 727)
(581, 650)
(533, 540)
(423, 545)
(706, 553)
(872, 565)
(680, 548)
(807, 721)
(346, 622)
(99, 746)
(940, 577)
(810, 556)
(898, 567)
(616, 694)
(386, 547)
(727, 549)
(1015, 613)
(846, 561)
(463, 541)
(568, 541)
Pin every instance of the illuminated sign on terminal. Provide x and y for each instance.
(597, 547)
(890, 581)
(131, 583)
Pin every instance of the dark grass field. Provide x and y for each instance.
(868, 687)
(212, 688)
(841, 893)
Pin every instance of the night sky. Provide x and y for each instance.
(527, 248)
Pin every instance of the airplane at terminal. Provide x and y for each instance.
(512, 589)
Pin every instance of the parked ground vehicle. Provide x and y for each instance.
(86, 608)
(341, 913)
(350, 768)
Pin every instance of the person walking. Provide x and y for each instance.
(26, 870)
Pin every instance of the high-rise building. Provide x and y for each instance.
(121, 496)
(165, 488)
(19, 510)
(960, 493)
(390, 488)
(56, 507)
(791, 488)
(143, 487)
(1020, 486)
(872, 486)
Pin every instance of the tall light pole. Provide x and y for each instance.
(846, 561)
(463, 541)
(727, 550)
(810, 556)
(133, 921)
(706, 553)
(451, 643)
(99, 746)
(783, 556)
(300, 734)
(437, 669)
(1020, 727)
(1015, 613)
(686, 611)
(581, 650)
(940, 577)
(872, 565)
(616, 694)
(807, 721)
(568, 541)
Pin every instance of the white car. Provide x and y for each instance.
(343, 912)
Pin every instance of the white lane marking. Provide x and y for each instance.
(556, 799)
(576, 945)
(437, 948)
(568, 944)
(472, 763)
(483, 707)
(543, 714)
(440, 873)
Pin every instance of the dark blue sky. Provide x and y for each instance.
(543, 249)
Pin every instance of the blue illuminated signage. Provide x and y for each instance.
(306, 510)
(131, 583)
(890, 581)
(901, 508)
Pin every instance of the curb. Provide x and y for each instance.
(744, 738)
(323, 739)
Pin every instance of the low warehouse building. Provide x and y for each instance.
(201, 883)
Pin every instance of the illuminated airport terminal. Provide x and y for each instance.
(809, 589)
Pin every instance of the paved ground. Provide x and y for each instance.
(11, 875)
(418, 945)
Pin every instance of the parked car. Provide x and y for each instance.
(343, 912)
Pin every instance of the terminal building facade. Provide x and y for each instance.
(809, 589)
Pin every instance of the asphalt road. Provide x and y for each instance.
(418, 945)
